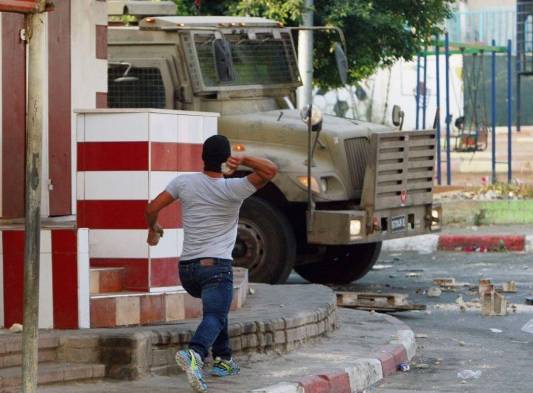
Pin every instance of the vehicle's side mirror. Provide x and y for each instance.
(342, 63)
(223, 60)
(125, 77)
(397, 116)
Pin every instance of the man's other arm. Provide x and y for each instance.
(151, 213)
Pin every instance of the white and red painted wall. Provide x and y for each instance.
(125, 159)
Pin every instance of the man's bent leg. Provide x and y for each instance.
(216, 301)
(221, 347)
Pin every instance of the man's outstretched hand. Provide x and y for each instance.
(154, 234)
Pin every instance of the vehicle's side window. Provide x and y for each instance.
(137, 88)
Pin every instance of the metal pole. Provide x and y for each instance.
(439, 158)
(493, 112)
(310, 200)
(518, 102)
(425, 89)
(417, 92)
(448, 155)
(509, 112)
(35, 31)
(305, 56)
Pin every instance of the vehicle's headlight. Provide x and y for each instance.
(355, 227)
(314, 183)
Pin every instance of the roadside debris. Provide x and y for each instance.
(382, 302)
(484, 286)
(404, 366)
(413, 274)
(528, 327)
(421, 335)
(434, 292)
(469, 374)
(420, 365)
(251, 291)
(446, 283)
(493, 330)
(493, 304)
(509, 287)
(381, 267)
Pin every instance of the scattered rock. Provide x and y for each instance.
(381, 267)
(434, 292)
(509, 286)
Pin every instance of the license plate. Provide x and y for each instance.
(397, 223)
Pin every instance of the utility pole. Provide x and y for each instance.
(35, 36)
(305, 56)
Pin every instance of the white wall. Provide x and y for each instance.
(89, 75)
(397, 86)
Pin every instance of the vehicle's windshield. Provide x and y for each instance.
(261, 61)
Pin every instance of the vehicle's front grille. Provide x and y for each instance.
(357, 153)
(404, 169)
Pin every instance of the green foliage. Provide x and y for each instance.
(377, 32)
(286, 11)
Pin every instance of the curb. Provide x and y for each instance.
(361, 373)
(427, 244)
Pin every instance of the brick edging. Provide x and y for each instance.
(361, 374)
(131, 353)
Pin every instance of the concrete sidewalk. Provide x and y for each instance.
(353, 357)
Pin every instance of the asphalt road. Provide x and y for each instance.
(451, 340)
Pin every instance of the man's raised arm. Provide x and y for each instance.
(264, 170)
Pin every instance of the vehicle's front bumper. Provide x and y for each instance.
(336, 227)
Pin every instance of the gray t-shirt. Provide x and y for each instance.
(210, 209)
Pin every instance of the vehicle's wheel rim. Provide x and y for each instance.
(249, 251)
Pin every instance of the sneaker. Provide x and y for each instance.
(224, 368)
(190, 362)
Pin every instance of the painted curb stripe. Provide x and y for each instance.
(481, 243)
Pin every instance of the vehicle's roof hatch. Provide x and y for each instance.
(162, 22)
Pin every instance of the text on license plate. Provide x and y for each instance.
(398, 223)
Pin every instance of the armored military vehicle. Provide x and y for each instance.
(367, 182)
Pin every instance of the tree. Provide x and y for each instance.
(378, 33)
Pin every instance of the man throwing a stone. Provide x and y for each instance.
(210, 206)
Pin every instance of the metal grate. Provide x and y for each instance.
(141, 88)
(262, 61)
(405, 169)
(357, 153)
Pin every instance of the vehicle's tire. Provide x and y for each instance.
(341, 264)
(265, 242)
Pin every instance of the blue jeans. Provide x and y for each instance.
(212, 280)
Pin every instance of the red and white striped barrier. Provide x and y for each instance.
(63, 281)
(125, 159)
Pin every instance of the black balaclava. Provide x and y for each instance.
(216, 150)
